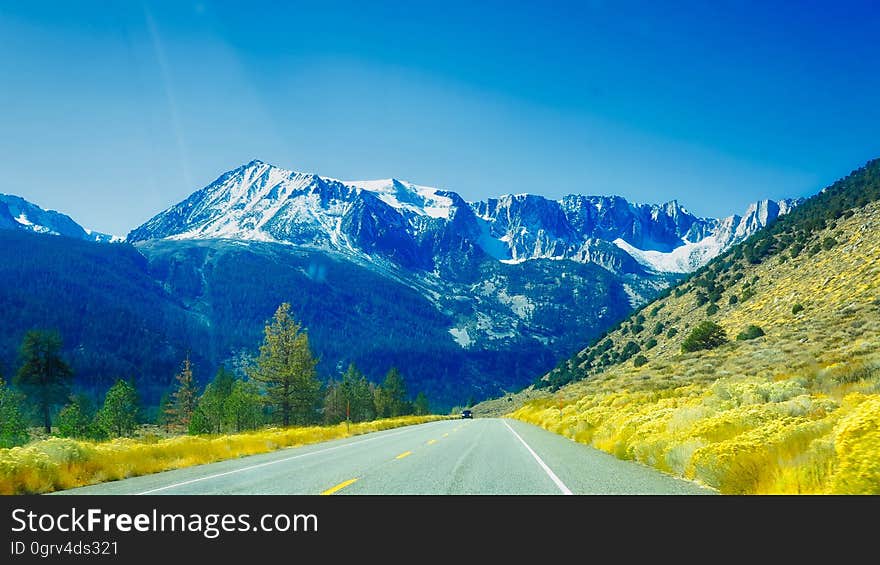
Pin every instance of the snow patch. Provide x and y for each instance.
(519, 304)
(683, 259)
(460, 335)
(406, 196)
(25, 221)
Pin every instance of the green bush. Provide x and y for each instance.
(76, 419)
(750, 332)
(712, 310)
(13, 420)
(707, 335)
(119, 415)
(828, 243)
(734, 299)
(671, 332)
(200, 423)
(639, 361)
(701, 298)
(797, 308)
(630, 349)
(650, 344)
(658, 329)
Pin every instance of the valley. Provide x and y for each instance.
(468, 300)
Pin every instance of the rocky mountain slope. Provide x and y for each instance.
(16, 213)
(467, 299)
(781, 395)
(419, 227)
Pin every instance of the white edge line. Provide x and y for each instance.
(232, 472)
(548, 470)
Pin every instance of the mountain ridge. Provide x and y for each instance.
(494, 288)
(16, 213)
(261, 202)
(759, 373)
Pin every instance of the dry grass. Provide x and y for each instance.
(795, 411)
(57, 464)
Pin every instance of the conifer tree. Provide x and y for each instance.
(44, 377)
(286, 370)
(421, 405)
(363, 408)
(183, 398)
(13, 423)
(76, 418)
(358, 395)
(381, 402)
(118, 416)
(394, 390)
(335, 403)
(209, 412)
(242, 409)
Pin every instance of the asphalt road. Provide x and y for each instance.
(480, 456)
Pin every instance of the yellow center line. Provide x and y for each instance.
(338, 487)
(404, 454)
(432, 441)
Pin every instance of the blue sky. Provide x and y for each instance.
(113, 111)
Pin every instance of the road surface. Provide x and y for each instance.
(480, 456)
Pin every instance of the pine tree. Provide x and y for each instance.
(335, 403)
(286, 370)
(394, 389)
(242, 409)
(357, 395)
(223, 382)
(119, 415)
(13, 423)
(422, 406)
(209, 412)
(207, 418)
(183, 398)
(363, 409)
(165, 412)
(44, 377)
(76, 418)
(706, 335)
(381, 402)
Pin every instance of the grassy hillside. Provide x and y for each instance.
(795, 410)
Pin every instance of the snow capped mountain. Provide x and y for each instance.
(416, 226)
(16, 213)
(408, 197)
(389, 273)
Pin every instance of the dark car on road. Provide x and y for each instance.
(467, 414)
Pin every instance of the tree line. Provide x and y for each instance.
(279, 386)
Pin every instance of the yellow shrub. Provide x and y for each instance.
(738, 435)
(858, 449)
(56, 464)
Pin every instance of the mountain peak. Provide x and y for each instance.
(16, 213)
(263, 202)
